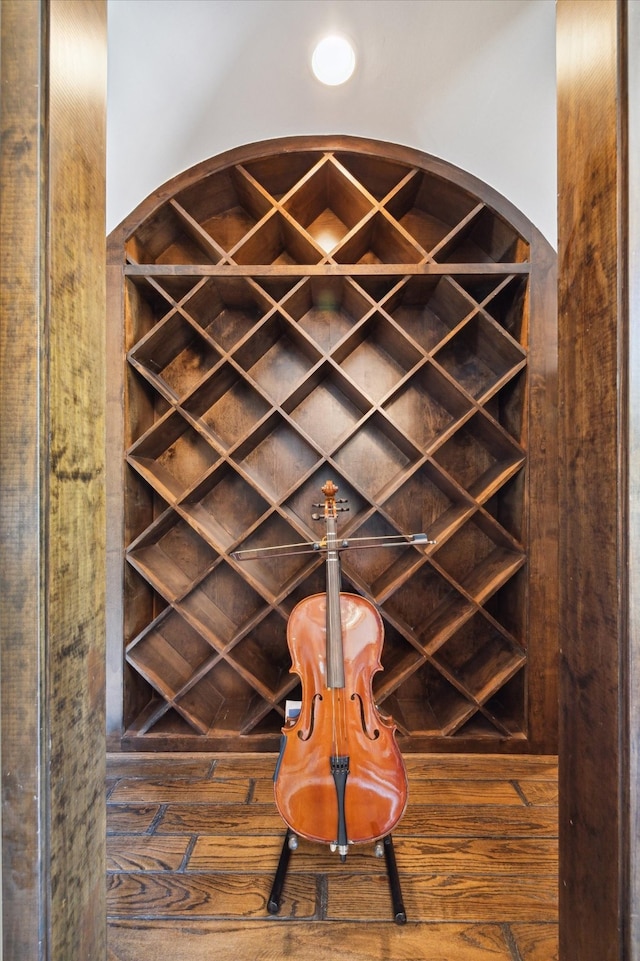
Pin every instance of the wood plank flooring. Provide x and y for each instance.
(193, 843)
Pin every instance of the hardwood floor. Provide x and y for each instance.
(193, 843)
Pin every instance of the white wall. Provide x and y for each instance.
(470, 81)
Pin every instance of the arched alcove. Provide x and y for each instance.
(332, 308)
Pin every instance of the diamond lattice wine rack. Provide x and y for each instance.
(318, 309)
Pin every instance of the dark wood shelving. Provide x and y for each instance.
(326, 312)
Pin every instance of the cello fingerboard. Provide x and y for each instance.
(335, 654)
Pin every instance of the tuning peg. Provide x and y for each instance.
(342, 500)
(341, 509)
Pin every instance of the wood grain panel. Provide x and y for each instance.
(475, 861)
(131, 818)
(595, 736)
(53, 63)
(221, 818)
(414, 856)
(540, 792)
(463, 821)
(76, 450)
(470, 792)
(208, 895)
(632, 773)
(266, 941)
(253, 765)
(125, 853)
(22, 266)
(447, 898)
(471, 766)
(536, 942)
(154, 765)
(184, 789)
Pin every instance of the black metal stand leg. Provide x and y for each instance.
(273, 904)
(399, 913)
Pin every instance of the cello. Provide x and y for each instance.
(340, 777)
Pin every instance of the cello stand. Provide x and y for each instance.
(290, 844)
(399, 913)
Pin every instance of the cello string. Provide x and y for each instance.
(312, 547)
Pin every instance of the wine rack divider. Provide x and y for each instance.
(377, 319)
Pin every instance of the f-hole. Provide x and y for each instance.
(312, 719)
(363, 720)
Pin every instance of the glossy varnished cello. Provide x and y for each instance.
(340, 777)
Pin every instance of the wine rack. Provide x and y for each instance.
(330, 311)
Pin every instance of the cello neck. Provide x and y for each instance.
(335, 657)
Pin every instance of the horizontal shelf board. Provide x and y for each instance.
(319, 270)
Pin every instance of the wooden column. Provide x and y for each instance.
(600, 495)
(52, 230)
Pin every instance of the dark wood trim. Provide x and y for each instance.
(52, 176)
(632, 773)
(285, 145)
(22, 271)
(598, 397)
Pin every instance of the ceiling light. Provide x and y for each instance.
(333, 60)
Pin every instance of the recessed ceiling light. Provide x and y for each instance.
(333, 60)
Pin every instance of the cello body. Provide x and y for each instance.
(340, 778)
(376, 787)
